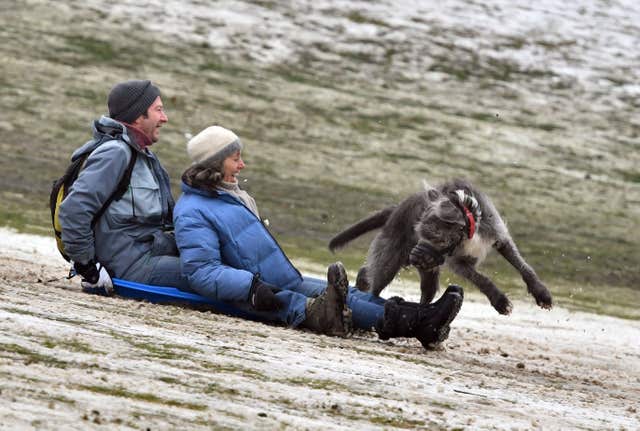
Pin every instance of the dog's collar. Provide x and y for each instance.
(470, 209)
(469, 221)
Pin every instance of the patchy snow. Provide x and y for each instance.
(74, 361)
(593, 42)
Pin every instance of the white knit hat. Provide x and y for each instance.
(213, 142)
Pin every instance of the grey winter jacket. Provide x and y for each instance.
(133, 228)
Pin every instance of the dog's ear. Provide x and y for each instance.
(432, 193)
(449, 213)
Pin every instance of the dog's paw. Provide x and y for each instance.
(362, 283)
(502, 305)
(544, 300)
(542, 296)
(426, 266)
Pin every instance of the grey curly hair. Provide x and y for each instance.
(206, 175)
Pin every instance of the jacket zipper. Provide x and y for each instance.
(133, 202)
(269, 233)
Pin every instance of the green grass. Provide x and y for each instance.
(218, 389)
(157, 350)
(141, 396)
(606, 300)
(234, 369)
(397, 422)
(361, 18)
(68, 344)
(30, 356)
(632, 177)
(169, 380)
(324, 384)
(61, 399)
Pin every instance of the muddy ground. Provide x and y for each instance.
(69, 360)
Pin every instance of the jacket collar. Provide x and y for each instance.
(188, 189)
(209, 193)
(104, 129)
(108, 126)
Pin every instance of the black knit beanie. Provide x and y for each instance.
(130, 99)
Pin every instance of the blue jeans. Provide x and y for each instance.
(366, 309)
(166, 272)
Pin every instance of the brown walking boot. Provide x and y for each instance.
(328, 313)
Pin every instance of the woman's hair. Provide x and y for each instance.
(206, 175)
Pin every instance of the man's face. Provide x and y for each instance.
(151, 123)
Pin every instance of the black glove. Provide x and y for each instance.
(262, 296)
(88, 271)
(95, 278)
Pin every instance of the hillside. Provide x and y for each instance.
(345, 108)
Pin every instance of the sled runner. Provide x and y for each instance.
(173, 296)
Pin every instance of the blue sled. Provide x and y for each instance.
(173, 296)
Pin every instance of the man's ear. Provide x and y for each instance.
(138, 120)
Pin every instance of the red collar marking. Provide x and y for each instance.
(472, 221)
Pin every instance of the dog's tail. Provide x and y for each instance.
(374, 221)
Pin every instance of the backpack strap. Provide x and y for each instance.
(62, 186)
(120, 190)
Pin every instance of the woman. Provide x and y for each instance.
(228, 255)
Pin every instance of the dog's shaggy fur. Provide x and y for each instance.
(432, 227)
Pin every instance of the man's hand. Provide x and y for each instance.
(95, 278)
(262, 296)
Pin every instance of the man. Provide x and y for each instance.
(133, 238)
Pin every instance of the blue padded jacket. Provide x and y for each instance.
(223, 245)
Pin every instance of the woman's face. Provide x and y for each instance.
(231, 167)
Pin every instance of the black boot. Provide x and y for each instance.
(328, 313)
(452, 288)
(428, 323)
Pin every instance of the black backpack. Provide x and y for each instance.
(62, 185)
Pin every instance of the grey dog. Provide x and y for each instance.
(453, 224)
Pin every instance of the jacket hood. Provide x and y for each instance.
(105, 129)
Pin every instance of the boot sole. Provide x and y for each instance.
(454, 288)
(443, 331)
(338, 281)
